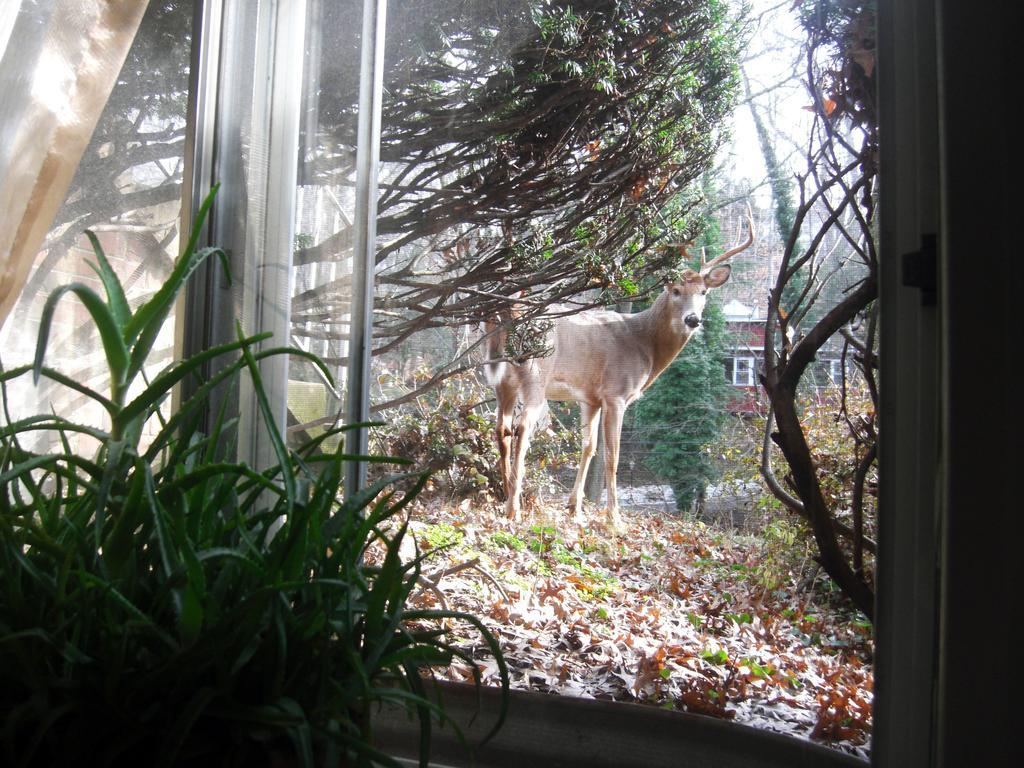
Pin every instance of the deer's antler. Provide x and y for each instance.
(707, 267)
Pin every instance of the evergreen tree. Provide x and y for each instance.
(683, 411)
(685, 408)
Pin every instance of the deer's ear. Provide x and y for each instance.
(717, 276)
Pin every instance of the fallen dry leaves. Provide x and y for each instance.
(669, 612)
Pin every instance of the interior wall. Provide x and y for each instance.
(981, 289)
(947, 578)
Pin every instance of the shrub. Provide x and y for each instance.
(836, 453)
(451, 432)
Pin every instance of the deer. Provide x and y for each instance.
(603, 360)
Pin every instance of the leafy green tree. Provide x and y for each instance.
(532, 144)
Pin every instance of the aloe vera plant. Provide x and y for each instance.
(162, 603)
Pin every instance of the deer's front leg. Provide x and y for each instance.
(522, 434)
(590, 419)
(503, 434)
(613, 412)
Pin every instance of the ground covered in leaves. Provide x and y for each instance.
(670, 613)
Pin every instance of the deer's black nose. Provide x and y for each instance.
(692, 320)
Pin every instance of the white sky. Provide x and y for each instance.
(773, 63)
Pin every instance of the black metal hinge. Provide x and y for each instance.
(921, 269)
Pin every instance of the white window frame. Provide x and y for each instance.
(913, 698)
(276, 83)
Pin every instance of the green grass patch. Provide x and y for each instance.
(441, 535)
(505, 540)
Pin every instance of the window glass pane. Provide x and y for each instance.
(325, 214)
(509, 167)
(127, 190)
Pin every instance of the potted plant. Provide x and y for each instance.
(162, 603)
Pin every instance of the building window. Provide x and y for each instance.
(740, 371)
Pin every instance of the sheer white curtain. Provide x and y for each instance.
(59, 61)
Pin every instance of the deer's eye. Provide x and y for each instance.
(675, 291)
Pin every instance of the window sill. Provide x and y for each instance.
(565, 732)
